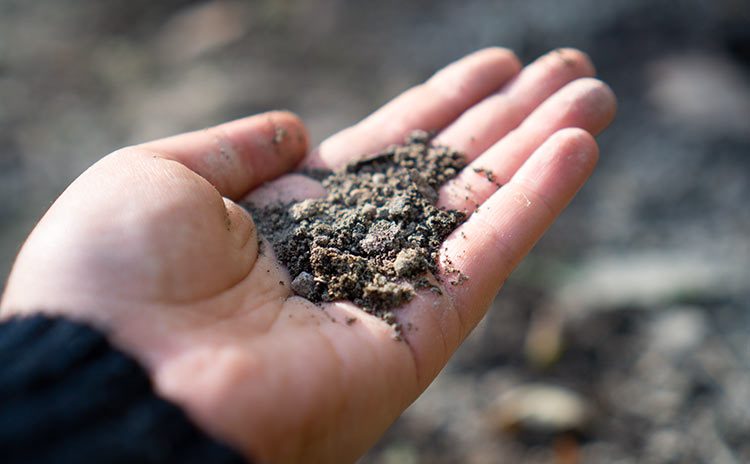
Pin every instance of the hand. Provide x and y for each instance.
(150, 245)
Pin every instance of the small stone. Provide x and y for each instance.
(541, 409)
(408, 262)
(369, 211)
(321, 241)
(399, 206)
(303, 210)
(678, 330)
(304, 284)
(418, 136)
(279, 135)
(423, 186)
(378, 178)
(666, 444)
(387, 295)
(356, 194)
(544, 343)
(380, 237)
(401, 454)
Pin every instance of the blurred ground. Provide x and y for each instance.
(625, 337)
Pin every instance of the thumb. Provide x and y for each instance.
(134, 228)
(242, 249)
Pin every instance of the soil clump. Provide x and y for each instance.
(374, 238)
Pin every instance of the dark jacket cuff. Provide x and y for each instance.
(68, 396)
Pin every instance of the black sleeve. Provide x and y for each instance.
(68, 396)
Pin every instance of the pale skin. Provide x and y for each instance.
(150, 245)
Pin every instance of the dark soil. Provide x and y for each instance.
(375, 237)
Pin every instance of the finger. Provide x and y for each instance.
(237, 156)
(585, 103)
(430, 106)
(487, 247)
(487, 122)
(291, 187)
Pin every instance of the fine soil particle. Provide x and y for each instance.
(375, 236)
(489, 175)
(279, 135)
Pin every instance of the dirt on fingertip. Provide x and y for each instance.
(374, 238)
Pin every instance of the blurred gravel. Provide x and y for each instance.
(635, 305)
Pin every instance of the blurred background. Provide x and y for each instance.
(624, 337)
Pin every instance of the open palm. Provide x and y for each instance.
(150, 245)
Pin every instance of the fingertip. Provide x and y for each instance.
(609, 103)
(575, 145)
(505, 57)
(559, 167)
(282, 131)
(289, 136)
(296, 129)
(572, 58)
(571, 137)
(503, 60)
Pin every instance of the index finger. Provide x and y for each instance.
(237, 156)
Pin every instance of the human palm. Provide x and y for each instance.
(150, 245)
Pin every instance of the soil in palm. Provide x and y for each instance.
(374, 238)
